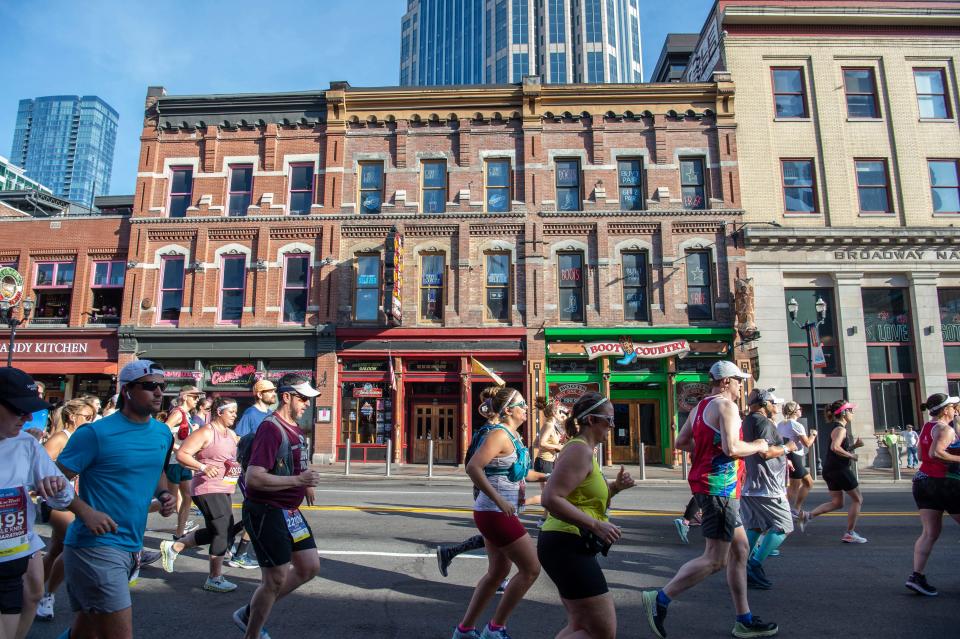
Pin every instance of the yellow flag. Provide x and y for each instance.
(479, 369)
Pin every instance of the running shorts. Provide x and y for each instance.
(271, 534)
(766, 513)
(541, 465)
(720, 516)
(497, 528)
(571, 567)
(11, 585)
(799, 469)
(840, 479)
(935, 493)
(98, 578)
(177, 473)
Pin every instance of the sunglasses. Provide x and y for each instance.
(607, 418)
(152, 386)
(302, 398)
(520, 404)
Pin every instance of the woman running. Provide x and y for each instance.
(211, 452)
(800, 479)
(936, 486)
(179, 478)
(499, 469)
(578, 498)
(65, 421)
(552, 435)
(838, 472)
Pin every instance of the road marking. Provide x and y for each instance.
(390, 492)
(373, 553)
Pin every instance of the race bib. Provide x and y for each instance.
(296, 524)
(231, 472)
(13, 521)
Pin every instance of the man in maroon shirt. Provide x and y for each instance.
(278, 478)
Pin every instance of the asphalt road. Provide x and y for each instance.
(379, 577)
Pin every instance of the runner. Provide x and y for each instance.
(578, 527)
(499, 469)
(801, 481)
(119, 460)
(936, 486)
(180, 479)
(691, 517)
(713, 434)
(552, 435)
(766, 511)
(278, 479)
(838, 473)
(211, 453)
(26, 468)
(66, 420)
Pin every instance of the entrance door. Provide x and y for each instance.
(634, 421)
(437, 422)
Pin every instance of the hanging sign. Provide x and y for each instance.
(628, 351)
(11, 285)
(393, 279)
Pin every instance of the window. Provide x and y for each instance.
(181, 187)
(107, 292)
(950, 329)
(497, 185)
(431, 287)
(799, 187)
(890, 358)
(568, 185)
(301, 189)
(945, 185)
(699, 293)
(861, 89)
(241, 189)
(295, 280)
(54, 288)
(171, 288)
(807, 310)
(570, 267)
(789, 93)
(233, 275)
(434, 186)
(497, 266)
(367, 303)
(932, 93)
(692, 184)
(873, 186)
(635, 307)
(371, 187)
(629, 180)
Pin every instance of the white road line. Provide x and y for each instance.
(373, 553)
(392, 492)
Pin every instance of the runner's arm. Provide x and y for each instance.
(197, 441)
(544, 444)
(259, 478)
(684, 439)
(570, 469)
(494, 445)
(769, 433)
(836, 442)
(730, 440)
(938, 448)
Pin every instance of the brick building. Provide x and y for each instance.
(380, 238)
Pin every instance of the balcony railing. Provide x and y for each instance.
(49, 321)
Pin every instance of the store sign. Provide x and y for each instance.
(393, 279)
(11, 285)
(367, 390)
(627, 350)
(181, 374)
(55, 348)
(568, 394)
(276, 374)
(896, 256)
(239, 375)
(689, 395)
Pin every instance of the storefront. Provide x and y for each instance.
(413, 387)
(68, 362)
(653, 376)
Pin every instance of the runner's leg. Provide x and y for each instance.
(32, 591)
(277, 582)
(803, 489)
(590, 618)
(835, 503)
(713, 559)
(856, 503)
(932, 525)
(523, 554)
(183, 514)
(498, 567)
(737, 554)
(113, 625)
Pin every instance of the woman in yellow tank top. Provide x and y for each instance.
(578, 497)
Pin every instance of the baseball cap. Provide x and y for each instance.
(762, 396)
(262, 386)
(725, 368)
(303, 388)
(20, 391)
(135, 370)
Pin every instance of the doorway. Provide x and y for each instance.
(636, 420)
(437, 422)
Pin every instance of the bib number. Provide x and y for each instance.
(13, 521)
(231, 472)
(296, 524)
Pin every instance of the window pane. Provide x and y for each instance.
(65, 274)
(432, 266)
(571, 304)
(874, 199)
(300, 202)
(691, 172)
(631, 199)
(296, 271)
(798, 173)
(944, 174)
(371, 176)
(634, 269)
(861, 106)
(498, 173)
(787, 81)
(871, 174)
(568, 199)
(431, 303)
(571, 269)
(886, 315)
(434, 201)
(629, 171)
(301, 178)
(179, 205)
(239, 205)
(233, 272)
(635, 304)
(295, 305)
(170, 303)
(929, 81)
(568, 173)
(497, 303)
(368, 270)
(498, 200)
(173, 273)
(117, 272)
(698, 303)
(877, 358)
(45, 274)
(932, 106)
(952, 354)
(698, 269)
(241, 178)
(100, 273)
(800, 200)
(790, 106)
(858, 80)
(232, 306)
(371, 202)
(901, 359)
(182, 181)
(946, 200)
(367, 302)
(498, 265)
(434, 174)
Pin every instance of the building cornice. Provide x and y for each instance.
(849, 237)
(858, 14)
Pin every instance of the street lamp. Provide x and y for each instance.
(807, 327)
(6, 316)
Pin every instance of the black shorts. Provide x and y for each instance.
(541, 465)
(936, 493)
(11, 585)
(270, 535)
(840, 479)
(570, 566)
(720, 516)
(799, 470)
(217, 511)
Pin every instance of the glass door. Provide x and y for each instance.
(636, 421)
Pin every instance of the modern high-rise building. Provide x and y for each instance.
(12, 178)
(499, 41)
(67, 142)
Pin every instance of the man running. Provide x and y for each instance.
(713, 434)
(119, 460)
(277, 479)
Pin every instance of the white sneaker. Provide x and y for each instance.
(851, 537)
(220, 584)
(190, 526)
(168, 555)
(45, 608)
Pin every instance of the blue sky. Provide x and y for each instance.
(116, 48)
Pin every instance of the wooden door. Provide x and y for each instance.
(437, 422)
(634, 421)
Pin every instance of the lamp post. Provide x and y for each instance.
(821, 308)
(6, 316)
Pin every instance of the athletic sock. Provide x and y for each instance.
(770, 542)
(463, 628)
(745, 618)
(474, 543)
(752, 537)
(663, 599)
(495, 627)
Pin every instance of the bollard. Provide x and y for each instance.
(684, 470)
(813, 461)
(389, 455)
(895, 453)
(430, 459)
(643, 463)
(346, 466)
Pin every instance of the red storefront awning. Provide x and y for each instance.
(67, 368)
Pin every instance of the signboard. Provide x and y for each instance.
(169, 373)
(243, 375)
(689, 395)
(568, 394)
(11, 285)
(628, 351)
(56, 347)
(367, 390)
(393, 279)
(706, 57)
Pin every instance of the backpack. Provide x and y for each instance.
(477, 440)
(518, 470)
(284, 462)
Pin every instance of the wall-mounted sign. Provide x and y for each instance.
(367, 390)
(57, 347)
(689, 395)
(173, 373)
(393, 279)
(11, 285)
(239, 375)
(628, 351)
(324, 414)
(568, 394)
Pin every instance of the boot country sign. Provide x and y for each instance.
(627, 351)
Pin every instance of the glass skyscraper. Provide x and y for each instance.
(500, 41)
(66, 142)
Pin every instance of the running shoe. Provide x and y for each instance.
(148, 557)
(683, 529)
(241, 616)
(167, 555)
(803, 518)
(45, 608)
(851, 537)
(655, 613)
(775, 552)
(503, 586)
(469, 634)
(244, 561)
(756, 628)
(756, 577)
(444, 557)
(220, 584)
(494, 634)
(190, 526)
(915, 582)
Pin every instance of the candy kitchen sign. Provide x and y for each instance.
(628, 351)
(55, 348)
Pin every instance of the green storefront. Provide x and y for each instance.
(654, 377)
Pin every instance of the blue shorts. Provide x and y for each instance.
(98, 578)
(177, 473)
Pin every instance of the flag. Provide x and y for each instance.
(393, 373)
(819, 361)
(479, 369)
